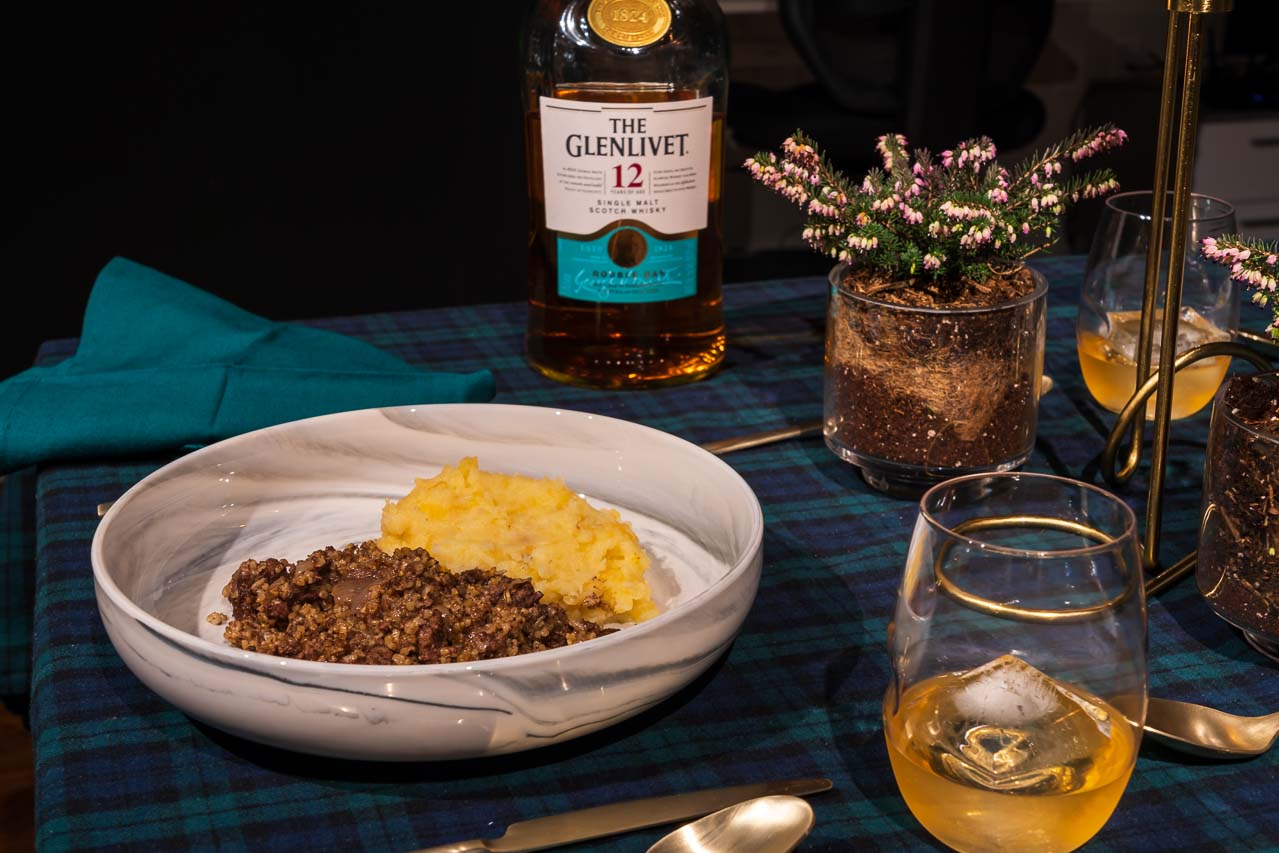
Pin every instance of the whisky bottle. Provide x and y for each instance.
(624, 139)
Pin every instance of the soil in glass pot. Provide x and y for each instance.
(1238, 562)
(922, 386)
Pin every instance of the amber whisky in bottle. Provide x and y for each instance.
(624, 130)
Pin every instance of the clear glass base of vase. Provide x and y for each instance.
(1268, 646)
(904, 480)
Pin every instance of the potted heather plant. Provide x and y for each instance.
(935, 332)
(1238, 561)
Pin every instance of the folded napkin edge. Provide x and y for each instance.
(39, 374)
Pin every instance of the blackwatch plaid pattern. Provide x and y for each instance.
(798, 694)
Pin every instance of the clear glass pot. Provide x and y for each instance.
(1238, 560)
(914, 396)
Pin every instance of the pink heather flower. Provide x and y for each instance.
(1251, 264)
(797, 172)
(1100, 189)
(817, 207)
(1103, 141)
(881, 145)
(975, 237)
(963, 211)
(803, 154)
(953, 207)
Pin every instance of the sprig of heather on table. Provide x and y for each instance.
(958, 217)
(1254, 263)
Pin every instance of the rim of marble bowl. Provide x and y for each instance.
(259, 661)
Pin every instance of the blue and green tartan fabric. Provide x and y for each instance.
(798, 694)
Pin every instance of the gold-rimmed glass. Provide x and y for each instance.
(1108, 325)
(1019, 662)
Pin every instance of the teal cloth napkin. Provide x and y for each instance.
(162, 364)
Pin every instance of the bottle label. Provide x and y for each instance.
(629, 23)
(604, 162)
(626, 265)
(626, 189)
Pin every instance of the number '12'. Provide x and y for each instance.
(635, 183)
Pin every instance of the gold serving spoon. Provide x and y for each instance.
(764, 825)
(1208, 732)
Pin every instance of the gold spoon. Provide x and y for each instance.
(758, 439)
(1208, 732)
(762, 825)
(800, 430)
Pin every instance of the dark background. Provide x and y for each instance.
(301, 162)
(312, 161)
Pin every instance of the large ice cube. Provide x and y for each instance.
(1007, 726)
(1124, 333)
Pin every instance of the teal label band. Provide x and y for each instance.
(627, 266)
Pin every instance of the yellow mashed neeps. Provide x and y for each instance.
(588, 560)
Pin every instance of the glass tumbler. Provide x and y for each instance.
(1019, 662)
(1109, 323)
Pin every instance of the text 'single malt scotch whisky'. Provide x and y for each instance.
(625, 115)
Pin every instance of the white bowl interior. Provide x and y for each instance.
(170, 545)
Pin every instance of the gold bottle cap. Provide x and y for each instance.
(629, 23)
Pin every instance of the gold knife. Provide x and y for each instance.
(615, 818)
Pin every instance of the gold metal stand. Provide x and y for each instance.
(1183, 63)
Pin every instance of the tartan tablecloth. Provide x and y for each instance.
(798, 694)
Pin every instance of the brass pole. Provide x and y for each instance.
(1154, 252)
(1189, 116)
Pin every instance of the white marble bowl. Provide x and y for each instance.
(163, 553)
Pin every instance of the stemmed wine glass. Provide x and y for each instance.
(1109, 323)
(1019, 662)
